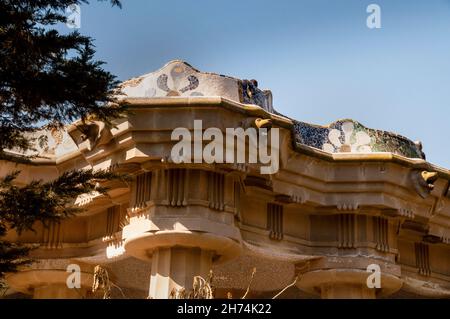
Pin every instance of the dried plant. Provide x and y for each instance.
(286, 288)
(201, 289)
(249, 284)
(3, 288)
(178, 293)
(101, 281)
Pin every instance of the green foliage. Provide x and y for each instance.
(45, 78)
(21, 207)
(45, 202)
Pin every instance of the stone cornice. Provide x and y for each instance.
(137, 104)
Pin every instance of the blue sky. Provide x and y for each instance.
(318, 57)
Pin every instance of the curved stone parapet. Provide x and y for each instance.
(47, 279)
(426, 288)
(347, 277)
(178, 78)
(346, 284)
(352, 137)
(142, 245)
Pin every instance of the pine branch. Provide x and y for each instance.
(13, 256)
(45, 77)
(22, 207)
(40, 82)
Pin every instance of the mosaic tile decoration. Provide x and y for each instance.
(251, 94)
(351, 136)
(178, 78)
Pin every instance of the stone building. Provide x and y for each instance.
(343, 201)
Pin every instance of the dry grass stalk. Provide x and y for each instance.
(201, 289)
(286, 288)
(249, 284)
(101, 281)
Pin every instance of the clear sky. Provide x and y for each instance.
(318, 57)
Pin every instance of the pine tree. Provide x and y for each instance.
(46, 78)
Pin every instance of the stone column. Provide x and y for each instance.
(181, 221)
(177, 257)
(175, 268)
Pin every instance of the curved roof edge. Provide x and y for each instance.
(178, 78)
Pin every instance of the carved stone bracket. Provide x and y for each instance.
(259, 182)
(93, 134)
(256, 123)
(423, 182)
